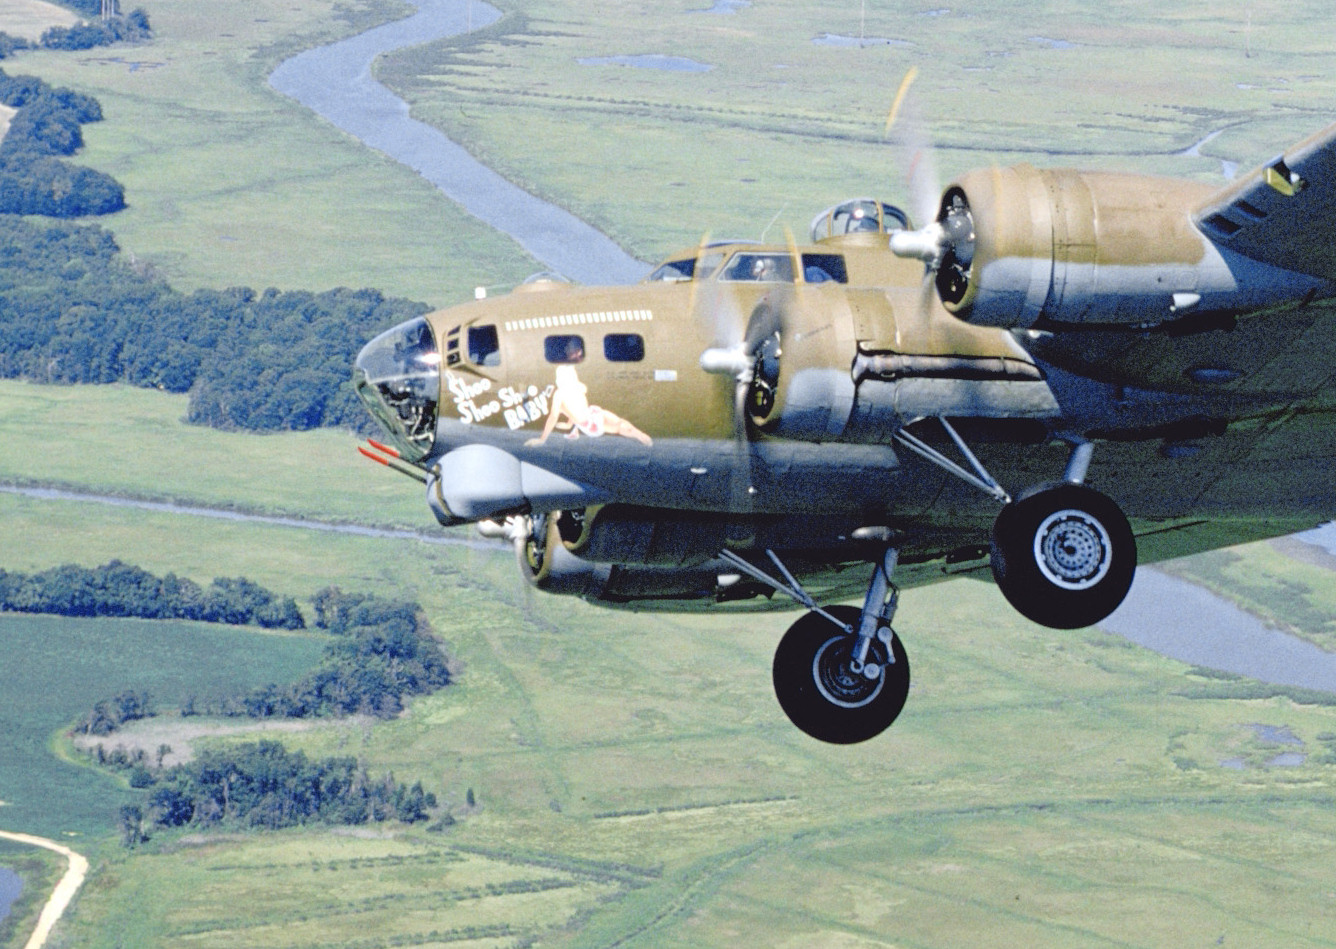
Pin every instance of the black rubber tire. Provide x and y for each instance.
(814, 646)
(1063, 556)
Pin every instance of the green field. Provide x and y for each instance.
(633, 781)
(57, 667)
(132, 441)
(1285, 582)
(785, 126)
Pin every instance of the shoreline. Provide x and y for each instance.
(336, 82)
(63, 894)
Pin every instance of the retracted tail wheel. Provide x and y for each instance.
(1063, 556)
(821, 693)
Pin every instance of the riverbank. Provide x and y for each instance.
(11, 887)
(336, 82)
(65, 890)
(1183, 621)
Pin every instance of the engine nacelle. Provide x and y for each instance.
(626, 534)
(546, 561)
(1020, 246)
(619, 552)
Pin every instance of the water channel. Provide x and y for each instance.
(11, 887)
(1163, 613)
(336, 82)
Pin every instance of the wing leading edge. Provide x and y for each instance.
(1282, 213)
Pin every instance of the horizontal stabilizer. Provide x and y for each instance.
(1282, 213)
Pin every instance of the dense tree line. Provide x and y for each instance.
(382, 653)
(47, 127)
(110, 714)
(121, 590)
(262, 784)
(133, 28)
(74, 310)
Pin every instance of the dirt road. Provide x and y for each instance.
(63, 893)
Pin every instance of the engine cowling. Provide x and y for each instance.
(1024, 245)
(1021, 247)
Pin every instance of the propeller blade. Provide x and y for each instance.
(927, 295)
(695, 278)
(739, 532)
(917, 158)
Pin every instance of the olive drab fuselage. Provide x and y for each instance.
(1061, 375)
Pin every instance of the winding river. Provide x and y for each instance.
(336, 82)
(1183, 621)
(11, 888)
(1163, 613)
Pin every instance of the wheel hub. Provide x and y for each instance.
(1072, 549)
(833, 671)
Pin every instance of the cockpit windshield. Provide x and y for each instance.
(688, 268)
(761, 267)
(398, 376)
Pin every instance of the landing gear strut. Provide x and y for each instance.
(840, 673)
(1063, 555)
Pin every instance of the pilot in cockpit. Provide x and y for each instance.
(860, 220)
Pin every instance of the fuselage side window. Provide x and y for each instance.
(564, 348)
(765, 268)
(623, 347)
(484, 346)
(824, 268)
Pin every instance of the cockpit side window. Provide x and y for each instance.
(675, 271)
(564, 348)
(824, 268)
(893, 219)
(765, 268)
(484, 346)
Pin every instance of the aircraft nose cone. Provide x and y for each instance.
(398, 377)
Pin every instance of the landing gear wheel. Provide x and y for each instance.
(818, 689)
(1063, 556)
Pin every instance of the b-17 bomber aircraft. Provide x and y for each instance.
(928, 400)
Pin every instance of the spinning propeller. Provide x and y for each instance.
(747, 350)
(945, 241)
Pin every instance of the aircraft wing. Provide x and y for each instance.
(1281, 213)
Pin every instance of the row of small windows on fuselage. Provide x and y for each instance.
(484, 347)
